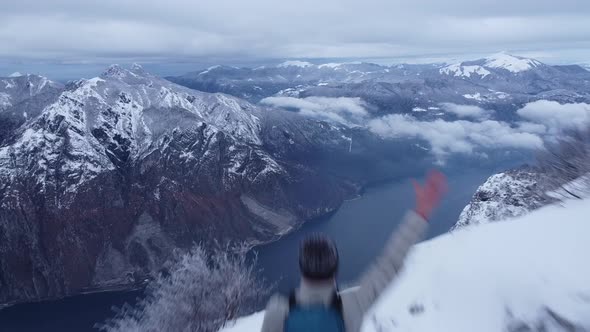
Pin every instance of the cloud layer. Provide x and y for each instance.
(460, 136)
(343, 110)
(540, 120)
(555, 116)
(89, 30)
(467, 111)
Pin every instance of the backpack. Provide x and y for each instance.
(316, 317)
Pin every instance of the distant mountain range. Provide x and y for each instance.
(500, 81)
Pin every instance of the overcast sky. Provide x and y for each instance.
(174, 34)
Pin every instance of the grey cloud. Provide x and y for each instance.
(264, 28)
(541, 120)
(466, 111)
(556, 116)
(533, 128)
(461, 136)
(343, 110)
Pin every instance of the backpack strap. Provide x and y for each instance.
(292, 300)
(336, 301)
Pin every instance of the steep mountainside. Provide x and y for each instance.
(104, 178)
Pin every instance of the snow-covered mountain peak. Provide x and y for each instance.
(135, 75)
(295, 63)
(15, 74)
(113, 70)
(137, 90)
(136, 67)
(484, 67)
(511, 63)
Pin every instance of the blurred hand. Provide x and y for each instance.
(428, 196)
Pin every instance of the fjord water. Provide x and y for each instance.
(360, 228)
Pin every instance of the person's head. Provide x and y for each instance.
(318, 258)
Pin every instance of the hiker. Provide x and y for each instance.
(317, 305)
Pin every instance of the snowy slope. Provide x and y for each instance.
(513, 276)
(511, 63)
(484, 67)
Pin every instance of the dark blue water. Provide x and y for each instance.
(73, 314)
(360, 228)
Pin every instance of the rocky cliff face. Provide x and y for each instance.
(506, 195)
(105, 177)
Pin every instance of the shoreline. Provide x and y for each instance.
(362, 189)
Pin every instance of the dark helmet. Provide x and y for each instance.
(318, 257)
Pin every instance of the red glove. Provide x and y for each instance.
(428, 196)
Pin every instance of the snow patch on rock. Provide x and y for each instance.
(331, 65)
(474, 96)
(295, 63)
(460, 70)
(4, 100)
(503, 196)
(209, 69)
